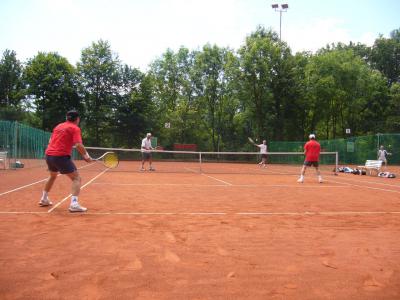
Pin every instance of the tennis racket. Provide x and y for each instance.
(108, 159)
(251, 140)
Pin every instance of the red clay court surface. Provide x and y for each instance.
(164, 235)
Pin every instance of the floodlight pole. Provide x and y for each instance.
(280, 24)
(282, 9)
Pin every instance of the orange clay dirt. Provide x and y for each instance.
(154, 235)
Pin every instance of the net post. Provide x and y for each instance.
(336, 162)
(201, 171)
(13, 162)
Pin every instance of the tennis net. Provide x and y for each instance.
(216, 162)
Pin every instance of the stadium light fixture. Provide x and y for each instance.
(284, 8)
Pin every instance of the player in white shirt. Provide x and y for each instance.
(263, 151)
(382, 155)
(146, 152)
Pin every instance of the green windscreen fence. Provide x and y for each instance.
(352, 150)
(27, 145)
(24, 145)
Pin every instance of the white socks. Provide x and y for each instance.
(74, 200)
(45, 195)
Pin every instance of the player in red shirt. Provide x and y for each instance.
(312, 149)
(58, 158)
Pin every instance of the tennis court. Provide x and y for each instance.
(240, 232)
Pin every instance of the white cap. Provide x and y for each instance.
(311, 136)
(148, 134)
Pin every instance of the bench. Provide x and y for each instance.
(3, 159)
(372, 165)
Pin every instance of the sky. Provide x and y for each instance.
(140, 31)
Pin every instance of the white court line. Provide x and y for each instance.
(33, 183)
(372, 182)
(158, 184)
(191, 170)
(21, 212)
(204, 213)
(366, 187)
(316, 213)
(24, 186)
(156, 213)
(305, 213)
(227, 183)
(130, 213)
(82, 187)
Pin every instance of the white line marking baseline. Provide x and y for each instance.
(305, 213)
(225, 185)
(316, 213)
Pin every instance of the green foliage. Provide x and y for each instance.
(385, 56)
(99, 83)
(51, 87)
(214, 97)
(393, 118)
(343, 92)
(267, 78)
(133, 113)
(174, 96)
(11, 88)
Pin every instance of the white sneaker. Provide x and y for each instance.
(142, 169)
(77, 208)
(320, 179)
(45, 202)
(152, 169)
(301, 180)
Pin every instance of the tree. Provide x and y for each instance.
(385, 56)
(393, 118)
(133, 108)
(51, 82)
(99, 77)
(267, 82)
(174, 97)
(343, 92)
(11, 86)
(211, 85)
(297, 107)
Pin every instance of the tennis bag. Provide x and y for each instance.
(359, 172)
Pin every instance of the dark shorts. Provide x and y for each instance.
(146, 155)
(311, 163)
(62, 164)
(263, 155)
